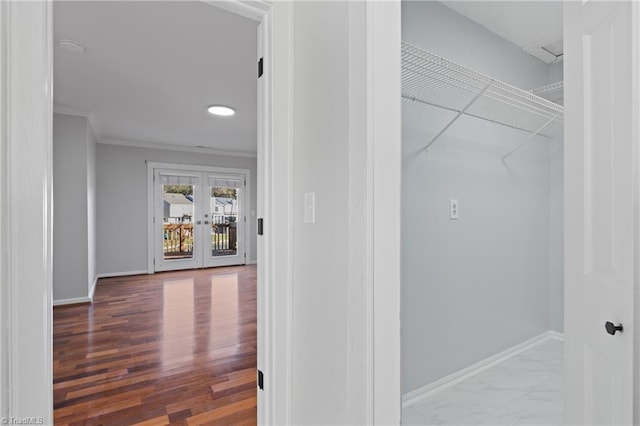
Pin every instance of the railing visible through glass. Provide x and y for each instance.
(225, 194)
(178, 214)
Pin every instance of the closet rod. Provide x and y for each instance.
(458, 115)
(467, 113)
(528, 138)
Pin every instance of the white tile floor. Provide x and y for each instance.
(523, 390)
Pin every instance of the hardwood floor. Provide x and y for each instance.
(171, 348)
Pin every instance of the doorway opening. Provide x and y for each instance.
(511, 236)
(151, 172)
(483, 179)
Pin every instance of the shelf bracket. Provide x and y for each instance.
(529, 137)
(458, 115)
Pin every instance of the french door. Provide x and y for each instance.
(197, 218)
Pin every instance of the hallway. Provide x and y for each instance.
(176, 347)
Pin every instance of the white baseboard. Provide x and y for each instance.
(556, 335)
(439, 385)
(92, 290)
(78, 300)
(72, 301)
(123, 274)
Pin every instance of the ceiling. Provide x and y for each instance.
(149, 71)
(535, 26)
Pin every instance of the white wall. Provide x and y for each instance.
(556, 72)
(556, 231)
(121, 188)
(478, 285)
(74, 207)
(556, 234)
(344, 368)
(320, 165)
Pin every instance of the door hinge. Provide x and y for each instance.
(245, 256)
(260, 380)
(245, 182)
(154, 262)
(260, 67)
(260, 226)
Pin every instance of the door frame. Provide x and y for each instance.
(635, 74)
(152, 166)
(26, 111)
(377, 162)
(26, 203)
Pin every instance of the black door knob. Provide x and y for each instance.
(612, 328)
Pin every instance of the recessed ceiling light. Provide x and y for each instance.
(71, 46)
(221, 110)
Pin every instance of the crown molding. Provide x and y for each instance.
(176, 147)
(90, 116)
(94, 128)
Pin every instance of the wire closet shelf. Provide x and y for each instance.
(433, 81)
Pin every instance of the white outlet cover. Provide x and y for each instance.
(454, 210)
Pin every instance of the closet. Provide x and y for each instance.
(482, 212)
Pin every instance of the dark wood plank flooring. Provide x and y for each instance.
(170, 348)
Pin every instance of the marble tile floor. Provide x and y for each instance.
(523, 390)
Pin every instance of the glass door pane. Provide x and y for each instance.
(225, 209)
(175, 220)
(224, 223)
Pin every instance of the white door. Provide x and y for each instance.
(198, 219)
(601, 150)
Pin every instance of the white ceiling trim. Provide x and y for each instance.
(176, 147)
(252, 9)
(90, 116)
(61, 109)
